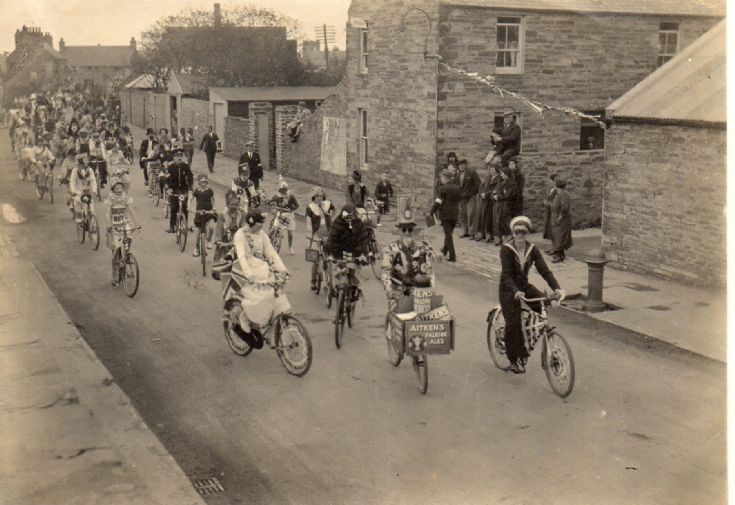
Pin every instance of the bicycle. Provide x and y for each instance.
(374, 254)
(125, 264)
(45, 182)
(278, 228)
(556, 355)
(88, 225)
(347, 296)
(202, 242)
(154, 187)
(181, 227)
(291, 340)
(317, 256)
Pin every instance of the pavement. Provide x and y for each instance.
(686, 317)
(69, 433)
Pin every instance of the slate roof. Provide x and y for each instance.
(186, 84)
(143, 81)
(663, 7)
(690, 88)
(272, 94)
(98, 56)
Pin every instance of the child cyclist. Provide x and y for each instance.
(120, 215)
(205, 213)
(286, 201)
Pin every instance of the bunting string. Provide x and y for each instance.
(538, 107)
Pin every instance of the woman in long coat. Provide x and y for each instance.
(561, 221)
(504, 192)
(486, 201)
(547, 210)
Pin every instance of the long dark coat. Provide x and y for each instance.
(561, 222)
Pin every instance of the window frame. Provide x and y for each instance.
(363, 142)
(520, 52)
(667, 32)
(363, 41)
(601, 116)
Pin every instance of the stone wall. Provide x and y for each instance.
(665, 195)
(194, 114)
(283, 114)
(582, 61)
(237, 132)
(398, 92)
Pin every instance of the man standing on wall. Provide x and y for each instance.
(251, 160)
(209, 146)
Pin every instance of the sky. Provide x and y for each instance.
(113, 22)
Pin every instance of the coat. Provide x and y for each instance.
(547, 214)
(469, 185)
(447, 202)
(254, 165)
(343, 238)
(209, 143)
(143, 153)
(514, 273)
(561, 221)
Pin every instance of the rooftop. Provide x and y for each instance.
(98, 56)
(272, 94)
(186, 84)
(689, 88)
(663, 7)
(143, 81)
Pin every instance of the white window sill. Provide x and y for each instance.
(508, 70)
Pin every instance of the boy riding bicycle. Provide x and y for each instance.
(205, 215)
(120, 215)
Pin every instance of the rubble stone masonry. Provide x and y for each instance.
(665, 195)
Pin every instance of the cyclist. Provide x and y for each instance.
(406, 263)
(82, 182)
(117, 163)
(70, 161)
(97, 158)
(146, 151)
(120, 215)
(261, 266)
(44, 160)
(244, 187)
(318, 222)
(516, 258)
(347, 235)
(154, 169)
(231, 220)
(286, 202)
(205, 214)
(180, 181)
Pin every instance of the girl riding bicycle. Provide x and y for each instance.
(120, 215)
(286, 201)
(318, 222)
(205, 214)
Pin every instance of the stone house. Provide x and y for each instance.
(404, 111)
(665, 169)
(105, 67)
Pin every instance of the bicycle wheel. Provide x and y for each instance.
(93, 231)
(39, 192)
(496, 340)
(421, 367)
(319, 276)
(238, 345)
(181, 231)
(203, 251)
(351, 307)
(375, 259)
(50, 190)
(393, 355)
(130, 275)
(558, 364)
(339, 321)
(293, 346)
(81, 230)
(276, 240)
(156, 195)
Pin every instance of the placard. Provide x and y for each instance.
(334, 145)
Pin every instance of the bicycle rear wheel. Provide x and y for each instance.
(81, 230)
(351, 308)
(421, 367)
(375, 259)
(50, 190)
(496, 340)
(339, 321)
(293, 346)
(237, 345)
(131, 275)
(181, 231)
(203, 251)
(276, 240)
(393, 355)
(558, 364)
(93, 231)
(156, 195)
(39, 192)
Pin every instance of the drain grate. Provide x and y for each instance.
(208, 486)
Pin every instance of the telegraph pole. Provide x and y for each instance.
(326, 34)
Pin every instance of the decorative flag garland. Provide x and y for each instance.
(538, 107)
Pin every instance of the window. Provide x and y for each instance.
(668, 41)
(591, 136)
(362, 118)
(499, 121)
(363, 50)
(510, 46)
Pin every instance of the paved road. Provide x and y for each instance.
(644, 424)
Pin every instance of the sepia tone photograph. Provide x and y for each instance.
(368, 252)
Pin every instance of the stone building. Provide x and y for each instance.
(665, 169)
(405, 112)
(313, 54)
(104, 67)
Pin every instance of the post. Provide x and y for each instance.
(596, 262)
(326, 48)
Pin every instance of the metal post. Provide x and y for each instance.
(596, 262)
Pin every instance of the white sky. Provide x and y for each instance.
(113, 22)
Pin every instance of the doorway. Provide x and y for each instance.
(264, 139)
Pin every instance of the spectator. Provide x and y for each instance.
(486, 205)
(384, 192)
(547, 211)
(469, 185)
(210, 145)
(516, 202)
(251, 160)
(447, 204)
(561, 221)
(356, 190)
(163, 136)
(507, 141)
(504, 191)
(187, 144)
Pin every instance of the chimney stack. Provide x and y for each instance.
(62, 45)
(133, 44)
(217, 17)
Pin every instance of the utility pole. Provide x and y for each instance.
(326, 34)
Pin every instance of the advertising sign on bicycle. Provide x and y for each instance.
(429, 337)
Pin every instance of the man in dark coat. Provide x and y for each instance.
(250, 160)
(146, 151)
(507, 140)
(447, 204)
(209, 146)
(181, 182)
(469, 185)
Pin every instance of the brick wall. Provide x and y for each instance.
(302, 159)
(665, 194)
(583, 61)
(237, 132)
(283, 114)
(398, 93)
(255, 111)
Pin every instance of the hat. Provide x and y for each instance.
(81, 156)
(520, 221)
(150, 131)
(405, 211)
(202, 177)
(447, 173)
(249, 143)
(255, 216)
(115, 181)
(317, 191)
(356, 175)
(282, 184)
(178, 151)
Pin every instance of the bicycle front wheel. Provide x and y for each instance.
(421, 367)
(293, 346)
(558, 363)
(276, 240)
(81, 231)
(50, 190)
(339, 321)
(156, 195)
(496, 340)
(375, 259)
(203, 252)
(393, 355)
(93, 231)
(237, 345)
(181, 232)
(131, 275)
